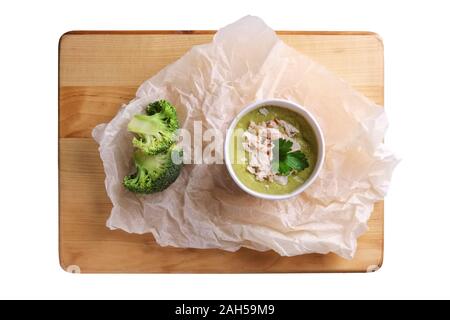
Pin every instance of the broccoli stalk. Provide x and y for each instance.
(154, 173)
(155, 131)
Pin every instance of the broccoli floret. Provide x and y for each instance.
(155, 131)
(154, 173)
(157, 158)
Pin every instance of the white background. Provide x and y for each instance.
(417, 52)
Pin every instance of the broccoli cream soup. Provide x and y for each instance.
(273, 150)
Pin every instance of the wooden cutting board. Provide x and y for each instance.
(100, 71)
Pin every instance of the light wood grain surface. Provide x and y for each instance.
(100, 71)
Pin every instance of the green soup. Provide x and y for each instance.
(305, 138)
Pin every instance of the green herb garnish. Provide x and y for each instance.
(286, 160)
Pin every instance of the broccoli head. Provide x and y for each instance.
(155, 131)
(154, 173)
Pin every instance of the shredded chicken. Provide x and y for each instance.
(288, 128)
(263, 111)
(272, 124)
(258, 142)
(283, 180)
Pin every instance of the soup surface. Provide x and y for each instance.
(303, 139)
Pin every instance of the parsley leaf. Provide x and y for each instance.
(283, 146)
(285, 161)
(297, 160)
(281, 167)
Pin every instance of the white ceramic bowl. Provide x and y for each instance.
(303, 113)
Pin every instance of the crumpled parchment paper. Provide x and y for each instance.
(245, 62)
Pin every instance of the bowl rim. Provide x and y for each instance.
(293, 106)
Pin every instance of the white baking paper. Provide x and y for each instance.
(245, 62)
